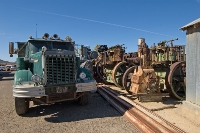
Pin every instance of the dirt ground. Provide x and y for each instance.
(66, 117)
(97, 117)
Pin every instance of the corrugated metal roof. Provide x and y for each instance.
(197, 21)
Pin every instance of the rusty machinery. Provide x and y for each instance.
(112, 63)
(87, 57)
(162, 68)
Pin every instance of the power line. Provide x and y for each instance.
(95, 21)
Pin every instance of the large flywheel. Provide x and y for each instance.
(118, 73)
(176, 80)
(99, 70)
(126, 79)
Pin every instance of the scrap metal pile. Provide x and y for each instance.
(112, 63)
(149, 71)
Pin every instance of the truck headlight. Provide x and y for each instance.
(35, 78)
(82, 75)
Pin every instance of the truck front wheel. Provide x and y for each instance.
(83, 100)
(21, 105)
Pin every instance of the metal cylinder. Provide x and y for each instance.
(11, 47)
(93, 54)
(140, 40)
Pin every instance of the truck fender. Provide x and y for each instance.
(22, 75)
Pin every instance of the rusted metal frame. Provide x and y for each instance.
(139, 115)
(142, 108)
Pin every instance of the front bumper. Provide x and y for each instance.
(27, 89)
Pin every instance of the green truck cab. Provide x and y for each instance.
(48, 71)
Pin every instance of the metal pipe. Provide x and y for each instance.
(142, 114)
(141, 126)
(142, 121)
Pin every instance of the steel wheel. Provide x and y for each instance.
(118, 73)
(99, 70)
(126, 80)
(176, 80)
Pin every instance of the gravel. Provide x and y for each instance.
(69, 117)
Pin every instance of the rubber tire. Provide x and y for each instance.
(83, 100)
(21, 105)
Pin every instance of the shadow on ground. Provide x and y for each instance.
(71, 111)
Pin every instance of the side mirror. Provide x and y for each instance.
(11, 48)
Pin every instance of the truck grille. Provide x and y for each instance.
(60, 69)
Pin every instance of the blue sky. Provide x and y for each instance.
(91, 22)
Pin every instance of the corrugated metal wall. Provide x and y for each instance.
(193, 65)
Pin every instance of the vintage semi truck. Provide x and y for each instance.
(48, 71)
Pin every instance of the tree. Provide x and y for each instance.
(96, 47)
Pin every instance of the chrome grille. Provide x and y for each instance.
(61, 69)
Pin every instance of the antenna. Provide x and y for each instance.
(36, 30)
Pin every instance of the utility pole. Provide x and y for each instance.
(36, 30)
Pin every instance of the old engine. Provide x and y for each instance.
(162, 68)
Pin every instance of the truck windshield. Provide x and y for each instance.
(36, 46)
